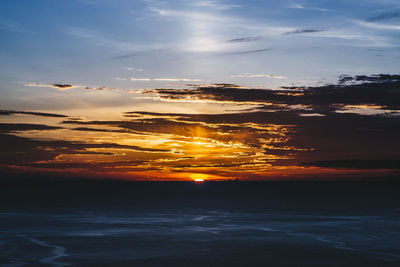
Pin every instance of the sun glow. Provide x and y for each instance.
(199, 177)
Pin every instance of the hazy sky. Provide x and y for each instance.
(93, 61)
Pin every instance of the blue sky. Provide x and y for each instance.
(140, 44)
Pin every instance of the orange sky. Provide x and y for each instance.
(226, 132)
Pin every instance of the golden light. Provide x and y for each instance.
(198, 177)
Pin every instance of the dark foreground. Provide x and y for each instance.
(100, 223)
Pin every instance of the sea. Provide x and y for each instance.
(91, 223)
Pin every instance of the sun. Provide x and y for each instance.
(199, 177)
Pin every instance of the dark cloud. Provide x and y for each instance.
(16, 127)
(358, 164)
(62, 86)
(244, 40)
(188, 126)
(138, 53)
(332, 136)
(101, 88)
(86, 165)
(24, 151)
(380, 78)
(382, 90)
(293, 139)
(12, 112)
(86, 129)
(300, 31)
(58, 86)
(124, 56)
(249, 51)
(385, 16)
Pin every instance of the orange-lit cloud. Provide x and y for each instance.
(293, 133)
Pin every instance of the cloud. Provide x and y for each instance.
(300, 31)
(384, 16)
(135, 69)
(358, 164)
(100, 88)
(176, 80)
(141, 79)
(17, 127)
(296, 128)
(215, 5)
(12, 112)
(379, 78)
(164, 79)
(382, 90)
(248, 51)
(140, 51)
(192, 15)
(249, 75)
(302, 6)
(124, 56)
(58, 86)
(244, 40)
(23, 151)
(378, 26)
(289, 134)
(87, 129)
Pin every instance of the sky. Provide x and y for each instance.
(214, 90)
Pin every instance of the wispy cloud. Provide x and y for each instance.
(358, 164)
(248, 51)
(137, 53)
(165, 79)
(215, 5)
(124, 56)
(98, 39)
(305, 7)
(385, 16)
(300, 31)
(244, 40)
(249, 75)
(41, 114)
(133, 69)
(190, 14)
(379, 26)
(18, 127)
(100, 88)
(141, 79)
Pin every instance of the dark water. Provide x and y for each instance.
(210, 225)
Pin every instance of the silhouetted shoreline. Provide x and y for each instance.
(320, 195)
